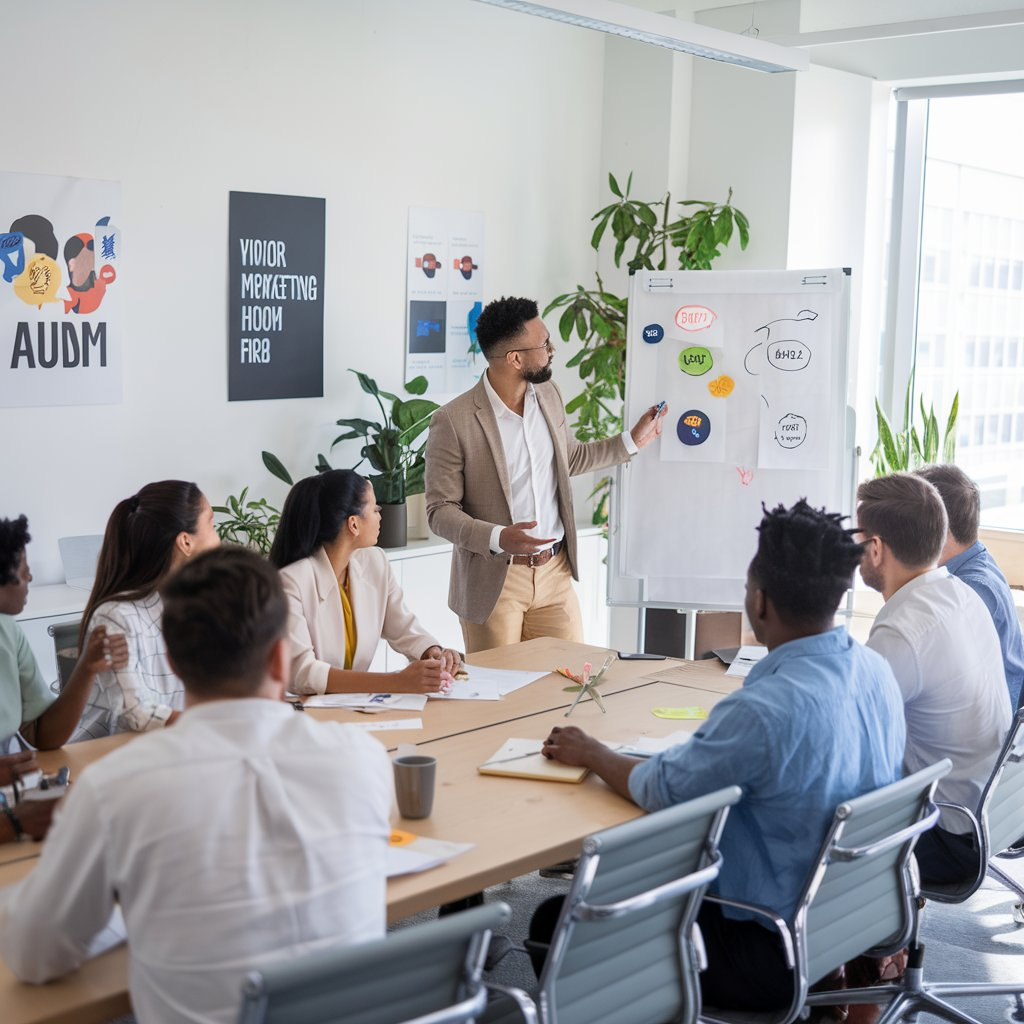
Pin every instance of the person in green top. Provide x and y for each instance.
(29, 710)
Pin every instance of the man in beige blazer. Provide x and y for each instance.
(499, 459)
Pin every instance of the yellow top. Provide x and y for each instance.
(350, 624)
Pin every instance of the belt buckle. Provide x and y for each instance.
(532, 563)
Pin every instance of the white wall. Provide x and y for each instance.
(376, 106)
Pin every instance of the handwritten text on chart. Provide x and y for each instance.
(695, 361)
(695, 318)
(791, 431)
(788, 355)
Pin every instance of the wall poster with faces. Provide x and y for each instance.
(62, 333)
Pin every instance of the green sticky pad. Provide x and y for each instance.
(684, 714)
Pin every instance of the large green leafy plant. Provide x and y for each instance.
(393, 448)
(251, 523)
(902, 450)
(647, 235)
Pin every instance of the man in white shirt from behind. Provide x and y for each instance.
(246, 834)
(938, 636)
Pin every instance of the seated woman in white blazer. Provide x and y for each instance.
(343, 597)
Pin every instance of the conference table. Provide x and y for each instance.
(516, 825)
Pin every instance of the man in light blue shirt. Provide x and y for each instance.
(965, 557)
(818, 721)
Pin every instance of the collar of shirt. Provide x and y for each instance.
(832, 641)
(907, 591)
(499, 407)
(965, 556)
(237, 707)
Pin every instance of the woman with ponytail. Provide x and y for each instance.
(148, 537)
(343, 597)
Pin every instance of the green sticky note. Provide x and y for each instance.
(680, 714)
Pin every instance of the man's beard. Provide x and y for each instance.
(538, 376)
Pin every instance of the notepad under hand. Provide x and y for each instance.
(522, 759)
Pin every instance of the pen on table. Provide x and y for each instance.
(505, 760)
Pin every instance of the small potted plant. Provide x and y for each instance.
(392, 450)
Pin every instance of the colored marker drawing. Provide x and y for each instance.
(781, 349)
(695, 318)
(746, 475)
(721, 387)
(696, 361)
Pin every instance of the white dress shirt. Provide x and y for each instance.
(142, 695)
(530, 458)
(938, 636)
(245, 834)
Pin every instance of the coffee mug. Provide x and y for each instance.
(414, 784)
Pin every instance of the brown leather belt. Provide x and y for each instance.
(536, 560)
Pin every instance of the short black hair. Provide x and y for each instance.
(503, 320)
(223, 611)
(14, 538)
(960, 495)
(907, 513)
(805, 562)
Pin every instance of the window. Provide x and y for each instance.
(970, 283)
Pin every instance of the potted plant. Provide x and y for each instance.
(249, 523)
(392, 450)
(390, 447)
(906, 449)
(597, 316)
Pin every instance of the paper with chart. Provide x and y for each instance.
(752, 366)
(794, 363)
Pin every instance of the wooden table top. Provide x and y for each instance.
(517, 825)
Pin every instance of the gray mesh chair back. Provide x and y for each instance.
(428, 974)
(621, 952)
(65, 649)
(1002, 804)
(861, 897)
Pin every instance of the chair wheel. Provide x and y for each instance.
(1018, 913)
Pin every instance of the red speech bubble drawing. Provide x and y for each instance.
(695, 318)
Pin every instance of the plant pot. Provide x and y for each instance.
(417, 506)
(393, 526)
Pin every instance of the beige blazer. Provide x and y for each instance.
(468, 491)
(316, 623)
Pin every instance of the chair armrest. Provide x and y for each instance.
(677, 887)
(523, 1002)
(779, 923)
(848, 853)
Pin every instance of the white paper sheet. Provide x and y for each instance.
(746, 658)
(506, 680)
(421, 854)
(645, 746)
(470, 689)
(369, 701)
(387, 725)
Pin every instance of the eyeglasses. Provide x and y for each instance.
(536, 348)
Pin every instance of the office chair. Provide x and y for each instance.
(622, 951)
(426, 974)
(859, 896)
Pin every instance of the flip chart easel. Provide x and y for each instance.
(754, 368)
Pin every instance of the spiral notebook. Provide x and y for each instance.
(522, 759)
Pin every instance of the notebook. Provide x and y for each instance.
(522, 759)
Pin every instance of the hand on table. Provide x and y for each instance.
(423, 676)
(648, 427)
(35, 817)
(570, 745)
(14, 766)
(515, 540)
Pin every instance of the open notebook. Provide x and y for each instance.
(522, 759)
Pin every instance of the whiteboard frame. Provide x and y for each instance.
(631, 592)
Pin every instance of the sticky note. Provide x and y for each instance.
(681, 714)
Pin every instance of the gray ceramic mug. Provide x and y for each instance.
(414, 784)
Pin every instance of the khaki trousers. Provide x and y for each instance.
(533, 602)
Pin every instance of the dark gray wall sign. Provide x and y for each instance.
(275, 296)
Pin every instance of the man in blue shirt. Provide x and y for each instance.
(965, 557)
(818, 721)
